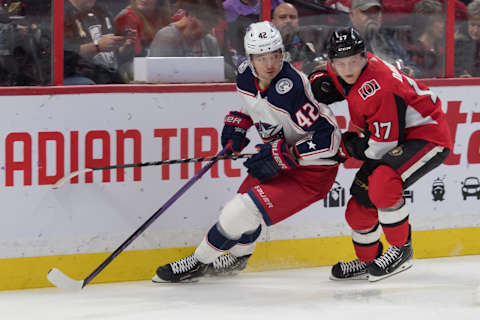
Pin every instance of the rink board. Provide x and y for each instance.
(23, 273)
(44, 137)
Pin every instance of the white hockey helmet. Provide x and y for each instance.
(262, 37)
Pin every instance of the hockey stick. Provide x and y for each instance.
(62, 181)
(61, 280)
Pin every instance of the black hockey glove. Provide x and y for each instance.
(354, 145)
(235, 129)
(323, 88)
(359, 188)
(270, 161)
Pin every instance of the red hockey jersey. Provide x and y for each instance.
(392, 108)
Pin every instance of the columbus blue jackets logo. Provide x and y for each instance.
(268, 132)
(284, 85)
(369, 88)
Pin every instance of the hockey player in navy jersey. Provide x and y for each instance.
(300, 143)
(405, 136)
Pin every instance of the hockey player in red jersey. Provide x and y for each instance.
(404, 135)
(300, 143)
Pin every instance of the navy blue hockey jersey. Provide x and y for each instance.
(287, 110)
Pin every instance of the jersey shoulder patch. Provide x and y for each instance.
(284, 85)
(246, 79)
(289, 81)
(242, 67)
(286, 89)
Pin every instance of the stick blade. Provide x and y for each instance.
(63, 180)
(62, 281)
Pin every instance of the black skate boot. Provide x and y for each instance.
(227, 265)
(353, 270)
(393, 261)
(183, 270)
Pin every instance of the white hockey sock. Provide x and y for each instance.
(243, 249)
(206, 253)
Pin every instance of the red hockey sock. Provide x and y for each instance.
(367, 253)
(397, 235)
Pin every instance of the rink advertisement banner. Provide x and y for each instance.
(45, 137)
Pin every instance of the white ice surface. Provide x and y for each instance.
(445, 288)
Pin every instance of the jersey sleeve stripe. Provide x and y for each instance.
(245, 92)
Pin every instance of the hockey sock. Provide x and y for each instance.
(246, 244)
(395, 224)
(366, 243)
(214, 245)
(367, 253)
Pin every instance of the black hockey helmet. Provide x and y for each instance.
(345, 43)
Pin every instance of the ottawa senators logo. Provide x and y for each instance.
(368, 89)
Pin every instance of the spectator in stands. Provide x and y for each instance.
(299, 53)
(367, 17)
(25, 44)
(239, 14)
(146, 17)
(428, 48)
(10, 70)
(396, 10)
(340, 5)
(93, 50)
(191, 36)
(236, 8)
(467, 46)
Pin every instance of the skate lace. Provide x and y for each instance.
(352, 266)
(224, 261)
(388, 257)
(184, 265)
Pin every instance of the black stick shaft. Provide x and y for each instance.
(63, 180)
(175, 161)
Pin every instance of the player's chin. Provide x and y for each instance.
(350, 79)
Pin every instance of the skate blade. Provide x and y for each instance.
(360, 277)
(222, 274)
(405, 266)
(157, 279)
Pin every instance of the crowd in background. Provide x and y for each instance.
(102, 37)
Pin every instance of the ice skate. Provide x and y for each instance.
(393, 261)
(227, 265)
(352, 270)
(184, 270)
